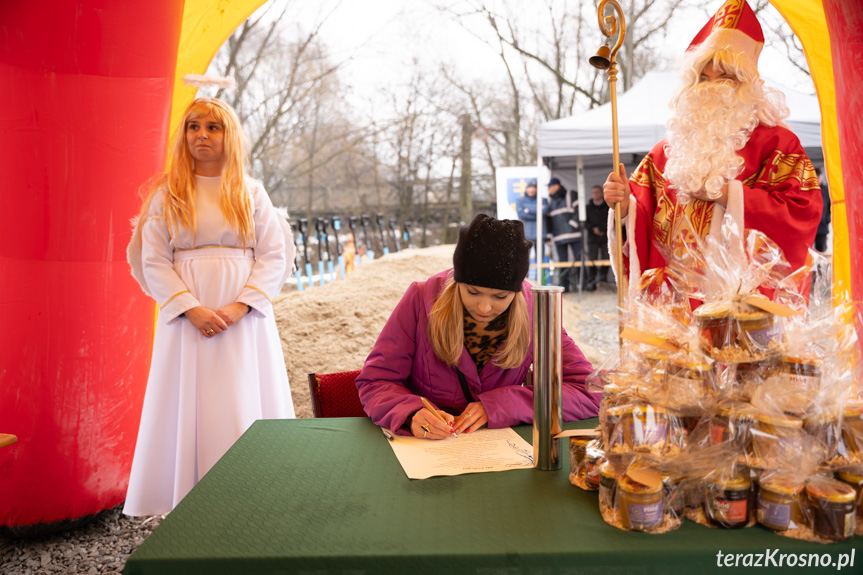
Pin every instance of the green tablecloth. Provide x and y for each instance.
(326, 496)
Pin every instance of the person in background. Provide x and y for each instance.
(564, 228)
(726, 151)
(463, 339)
(213, 252)
(597, 237)
(824, 224)
(525, 207)
(349, 255)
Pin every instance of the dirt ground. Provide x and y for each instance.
(333, 327)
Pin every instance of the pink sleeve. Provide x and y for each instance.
(578, 403)
(381, 383)
(513, 404)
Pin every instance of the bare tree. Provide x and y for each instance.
(569, 38)
(495, 129)
(779, 36)
(648, 23)
(546, 59)
(288, 98)
(406, 140)
(555, 49)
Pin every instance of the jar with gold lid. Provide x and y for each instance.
(680, 425)
(852, 430)
(853, 476)
(689, 384)
(655, 366)
(727, 502)
(639, 506)
(714, 322)
(608, 476)
(824, 427)
(748, 376)
(799, 382)
(592, 458)
(577, 449)
(720, 426)
(581, 450)
(758, 332)
(609, 424)
(733, 422)
(645, 427)
(779, 506)
(776, 439)
(833, 508)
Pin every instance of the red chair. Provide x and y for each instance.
(335, 394)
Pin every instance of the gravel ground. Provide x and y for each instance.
(596, 336)
(103, 545)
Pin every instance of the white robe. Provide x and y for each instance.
(203, 393)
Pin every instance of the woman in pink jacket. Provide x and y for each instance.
(463, 339)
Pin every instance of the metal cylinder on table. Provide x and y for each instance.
(547, 375)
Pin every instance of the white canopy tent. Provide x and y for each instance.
(642, 113)
(578, 150)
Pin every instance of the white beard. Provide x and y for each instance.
(711, 122)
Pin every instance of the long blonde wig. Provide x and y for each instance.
(446, 329)
(178, 181)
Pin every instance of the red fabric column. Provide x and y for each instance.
(85, 94)
(845, 23)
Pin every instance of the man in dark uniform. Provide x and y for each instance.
(564, 227)
(597, 237)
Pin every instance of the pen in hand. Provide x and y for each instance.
(434, 411)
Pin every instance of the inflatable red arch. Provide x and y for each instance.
(89, 93)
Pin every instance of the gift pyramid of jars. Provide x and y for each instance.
(734, 400)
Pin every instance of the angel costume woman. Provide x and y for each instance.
(212, 251)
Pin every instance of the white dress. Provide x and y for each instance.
(203, 393)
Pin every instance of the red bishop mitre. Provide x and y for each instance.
(735, 27)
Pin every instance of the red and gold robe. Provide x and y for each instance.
(777, 192)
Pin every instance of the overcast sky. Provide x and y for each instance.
(383, 37)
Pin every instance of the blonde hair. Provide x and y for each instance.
(446, 329)
(178, 181)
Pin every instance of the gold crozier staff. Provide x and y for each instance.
(605, 60)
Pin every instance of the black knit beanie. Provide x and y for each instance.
(492, 253)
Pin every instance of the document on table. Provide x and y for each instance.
(476, 452)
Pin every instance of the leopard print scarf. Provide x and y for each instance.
(482, 341)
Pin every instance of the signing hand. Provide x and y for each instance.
(616, 189)
(472, 418)
(206, 321)
(233, 313)
(426, 426)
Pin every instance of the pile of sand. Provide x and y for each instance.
(334, 327)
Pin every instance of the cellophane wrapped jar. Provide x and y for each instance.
(739, 410)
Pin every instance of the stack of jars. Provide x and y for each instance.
(743, 430)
